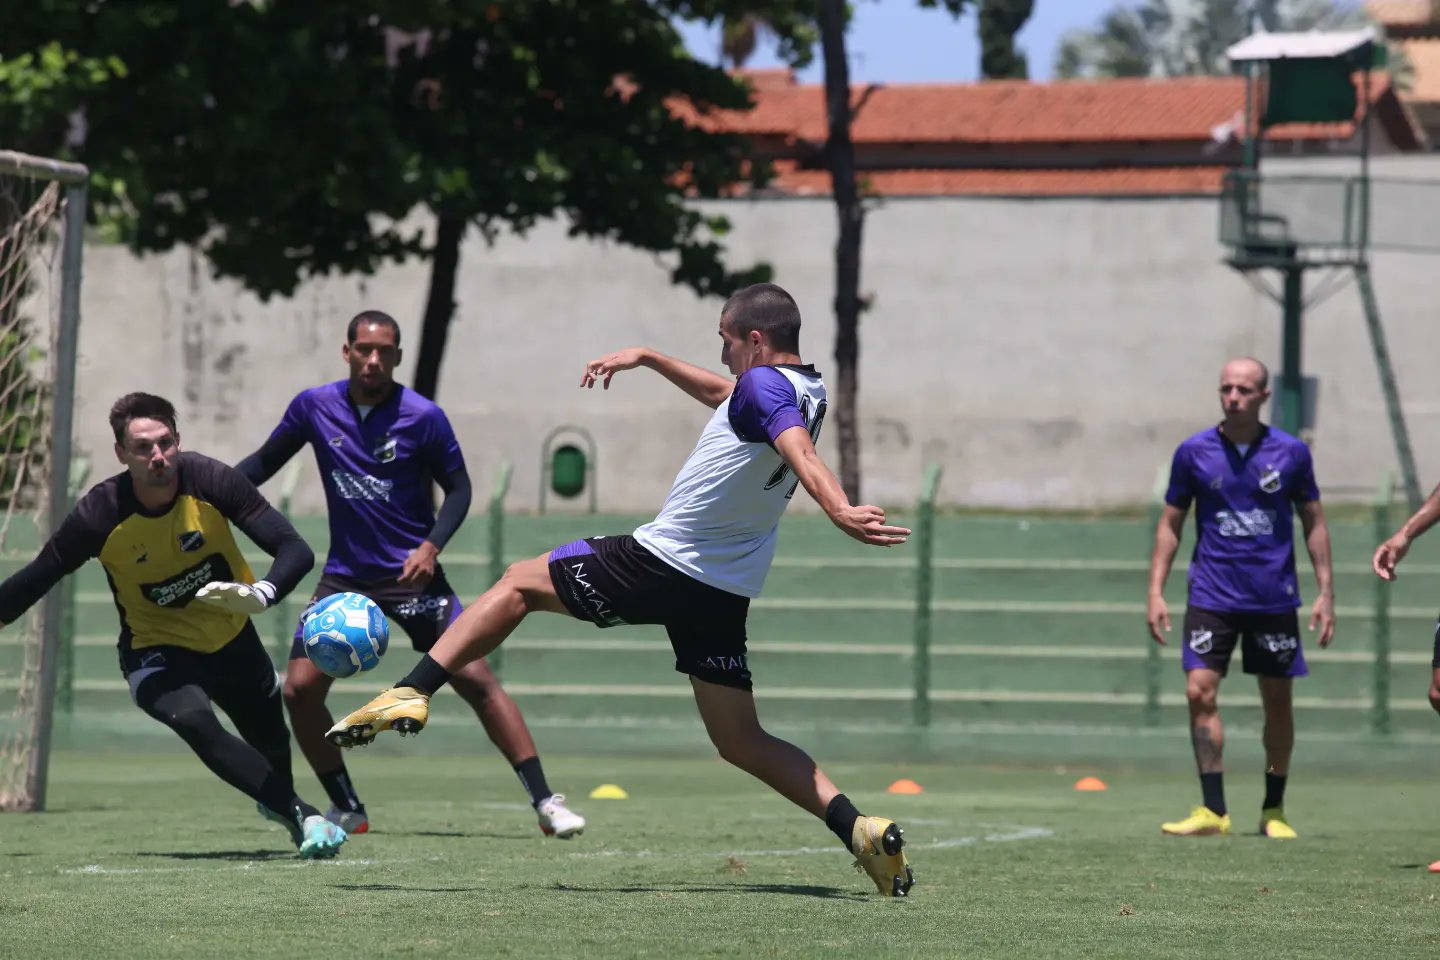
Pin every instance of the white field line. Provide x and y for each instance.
(1011, 835)
(99, 870)
(907, 605)
(1054, 564)
(680, 691)
(601, 644)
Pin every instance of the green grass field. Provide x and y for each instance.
(151, 857)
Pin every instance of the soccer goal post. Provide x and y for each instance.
(42, 233)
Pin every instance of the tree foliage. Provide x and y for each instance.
(288, 138)
(999, 22)
(1180, 38)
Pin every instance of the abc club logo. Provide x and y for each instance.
(1201, 640)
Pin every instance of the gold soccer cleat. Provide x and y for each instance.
(1202, 822)
(402, 709)
(877, 844)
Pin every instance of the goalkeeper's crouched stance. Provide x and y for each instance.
(185, 595)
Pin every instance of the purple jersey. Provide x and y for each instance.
(377, 472)
(1244, 560)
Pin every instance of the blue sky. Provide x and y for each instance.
(894, 41)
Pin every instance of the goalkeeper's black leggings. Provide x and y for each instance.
(178, 686)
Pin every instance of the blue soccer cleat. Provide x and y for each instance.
(314, 837)
(322, 838)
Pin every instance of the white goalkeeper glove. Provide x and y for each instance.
(242, 598)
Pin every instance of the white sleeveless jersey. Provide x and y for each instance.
(720, 521)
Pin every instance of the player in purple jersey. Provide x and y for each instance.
(1244, 478)
(379, 447)
(1388, 556)
(696, 567)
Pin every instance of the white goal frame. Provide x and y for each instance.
(74, 178)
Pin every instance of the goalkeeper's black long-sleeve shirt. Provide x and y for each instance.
(156, 562)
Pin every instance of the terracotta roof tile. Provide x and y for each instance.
(1110, 181)
(1394, 13)
(1016, 112)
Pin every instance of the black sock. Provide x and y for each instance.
(302, 810)
(1212, 788)
(427, 677)
(1274, 790)
(840, 817)
(341, 791)
(532, 778)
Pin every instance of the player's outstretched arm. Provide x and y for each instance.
(864, 523)
(1167, 542)
(1389, 554)
(419, 566)
(284, 442)
(239, 502)
(79, 538)
(1317, 541)
(704, 385)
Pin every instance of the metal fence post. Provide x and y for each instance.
(1380, 675)
(496, 534)
(1154, 669)
(65, 686)
(284, 618)
(925, 548)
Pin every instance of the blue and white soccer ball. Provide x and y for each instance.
(344, 634)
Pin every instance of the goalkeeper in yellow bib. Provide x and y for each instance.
(696, 567)
(184, 593)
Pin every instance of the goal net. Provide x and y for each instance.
(41, 231)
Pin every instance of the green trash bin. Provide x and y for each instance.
(567, 471)
(567, 464)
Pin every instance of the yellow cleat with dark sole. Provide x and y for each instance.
(1202, 822)
(878, 845)
(402, 709)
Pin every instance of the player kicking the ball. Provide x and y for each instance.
(696, 567)
(185, 595)
(379, 446)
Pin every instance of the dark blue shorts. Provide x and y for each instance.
(612, 581)
(1270, 642)
(422, 612)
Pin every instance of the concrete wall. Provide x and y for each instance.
(1047, 353)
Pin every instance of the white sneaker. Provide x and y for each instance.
(557, 820)
(351, 821)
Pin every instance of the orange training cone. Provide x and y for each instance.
(904, 786)
(1090, 784)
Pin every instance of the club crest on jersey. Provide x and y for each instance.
(385, 450)
(191, 540)
(336, 441)
(1217, 483)
(1201, 640)
(1270, 480)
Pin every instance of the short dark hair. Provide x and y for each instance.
(141, 406)
(371, 316)
(768, 308)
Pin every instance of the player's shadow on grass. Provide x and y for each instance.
(384, 887)
(235, 855)
(460, 835)
(793, 889)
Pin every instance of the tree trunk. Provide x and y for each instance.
(440, 305)
(840, 157)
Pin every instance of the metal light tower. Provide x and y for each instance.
(1294, 223)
